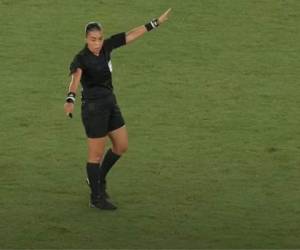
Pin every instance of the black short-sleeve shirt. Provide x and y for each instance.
(96, 76)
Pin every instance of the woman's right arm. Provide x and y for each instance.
(75, 81)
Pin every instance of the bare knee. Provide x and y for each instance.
(96, 149)
(95, 157)
(120, 148)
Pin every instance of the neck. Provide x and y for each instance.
(93, 52)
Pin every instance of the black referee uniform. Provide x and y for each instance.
(100, 112)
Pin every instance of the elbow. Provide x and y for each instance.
(128, 39)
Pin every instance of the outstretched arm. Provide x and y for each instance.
(135, 33)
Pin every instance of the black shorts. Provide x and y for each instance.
(101, 116)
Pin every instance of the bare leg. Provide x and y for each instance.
(119, 139)
(96, 149)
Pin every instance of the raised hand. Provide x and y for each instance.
(164, 17)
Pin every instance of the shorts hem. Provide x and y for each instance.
(117, 127)
(96, 136)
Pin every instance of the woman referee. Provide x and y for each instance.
(100, 113)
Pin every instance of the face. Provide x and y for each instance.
(94, 41)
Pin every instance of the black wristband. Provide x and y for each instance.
(71, 97)
(152, 25)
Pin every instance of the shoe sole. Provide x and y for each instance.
(91, 205)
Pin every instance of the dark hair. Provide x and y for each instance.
(92, 26)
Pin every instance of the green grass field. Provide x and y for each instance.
(211, 102)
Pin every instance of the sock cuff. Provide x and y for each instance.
(92, 164)
(116, 156)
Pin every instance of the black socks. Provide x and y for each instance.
(109, 160)
(92, 170)
(96, 174)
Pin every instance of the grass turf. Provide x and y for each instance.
(212, 109)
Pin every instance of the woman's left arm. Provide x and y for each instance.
(135, 33)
